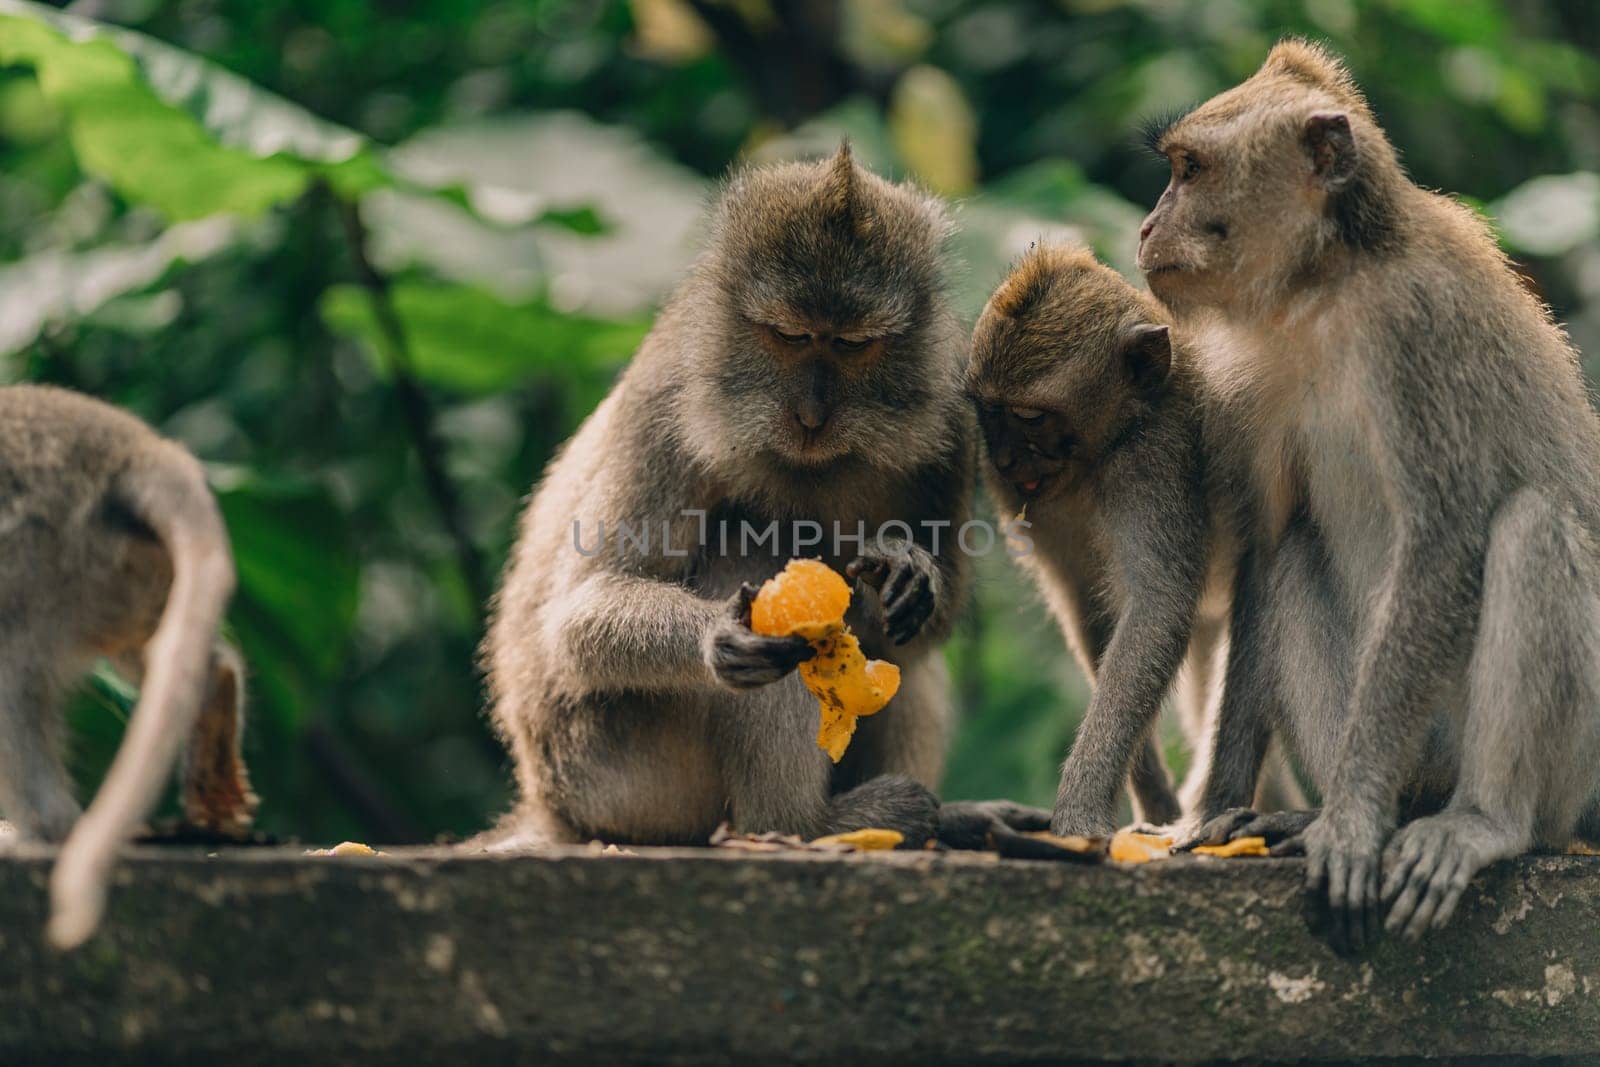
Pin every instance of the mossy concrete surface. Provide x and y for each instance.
(424, 956)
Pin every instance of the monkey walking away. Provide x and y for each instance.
(803, 385)
(110, 545)
(1090, 413)
(1417, 610)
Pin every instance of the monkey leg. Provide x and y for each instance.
(631, 768)
(1149, 785)
(1530, 738)
(35, 789)
(216, 785)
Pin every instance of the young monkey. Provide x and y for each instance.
(1090, 414)
(110, 545)
(1418, 602)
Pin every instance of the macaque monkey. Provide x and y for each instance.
(110, 545)
(1417, 609)
(805, 381)
(1089, 409)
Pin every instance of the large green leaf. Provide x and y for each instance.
(469, 340)
(172, 131)
(299, 577)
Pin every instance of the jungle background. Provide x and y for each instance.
(373, 262)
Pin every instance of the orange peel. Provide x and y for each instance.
(808, 599)
(868, 840)
(1130, 846)
(1239, 846)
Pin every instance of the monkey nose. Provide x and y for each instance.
(811, 419)
(1144, 231)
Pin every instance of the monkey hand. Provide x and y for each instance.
(1277, 827)
(981, 824)
(739, 657)
(908, 581)
(1344, 858)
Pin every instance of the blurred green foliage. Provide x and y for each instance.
(374, 264)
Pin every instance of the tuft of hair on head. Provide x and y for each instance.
(1028, 282)
(1312, 64)
(840, 194)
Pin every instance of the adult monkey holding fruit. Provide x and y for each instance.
(1417, 609)
(807, 374)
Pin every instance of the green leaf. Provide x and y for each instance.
(150, 152)
(469, 340)
(299, 577)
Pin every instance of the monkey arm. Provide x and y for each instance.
(618, 631)
(1163, 569)
(1251, 699)
(1135, 673)
(1420, 635)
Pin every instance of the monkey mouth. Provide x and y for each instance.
(1031, 488)
(1163, 270)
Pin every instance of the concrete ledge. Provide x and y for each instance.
(267, 956)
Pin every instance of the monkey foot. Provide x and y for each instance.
(1429, 862)
(222, 803)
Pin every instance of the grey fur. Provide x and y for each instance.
(1419, 465)
(635, 701)
(110, 544)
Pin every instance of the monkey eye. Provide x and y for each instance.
(852, 344)
(1028, 415)
(791, 338)
(1187, 167)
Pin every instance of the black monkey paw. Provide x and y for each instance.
(908, 582)
(1277, 827)
(739, 657)
(1344, 855)
(982, 824)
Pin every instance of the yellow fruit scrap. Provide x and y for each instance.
(866, 840)
(1580, 848)
(345, 848)
(1129, 846)
(1239, 846)
(1073, 843)
(807, 599)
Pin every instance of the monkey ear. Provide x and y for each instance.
(1332, 147)
(1148, 355)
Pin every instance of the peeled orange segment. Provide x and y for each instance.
(847, 685)
(1129, 846)
(1239, 846)
(806, 599)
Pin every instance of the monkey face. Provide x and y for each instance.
(832, 340)
(1064, 358)
(1257, 174)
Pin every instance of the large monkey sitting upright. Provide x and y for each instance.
(805, 379)
(1418, 607)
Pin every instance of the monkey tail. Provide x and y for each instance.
(166, 490)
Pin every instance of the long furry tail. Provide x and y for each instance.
(166, 489)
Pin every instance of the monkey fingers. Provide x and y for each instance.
(1426, 872)
(1349, 879)
(744, 660)
(982, 824)
(907, 579)
(1220, 830)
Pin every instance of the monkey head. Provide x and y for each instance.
(1066, 357)
(1267, 179)
(828, 339)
